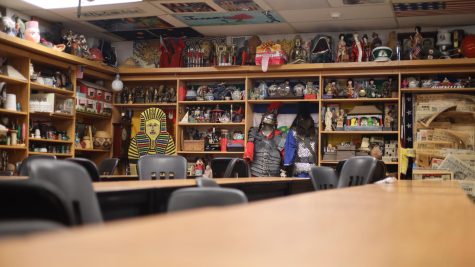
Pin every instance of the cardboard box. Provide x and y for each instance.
(42, 102)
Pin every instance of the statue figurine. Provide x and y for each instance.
(298, 54)
(340, 121)
(372, 89)
(330, 89)
(147, 96)
(253, 43)
(328, 119)
(301, 145)
(357, 49)
(155, 95)
(342, 52)
(366, 48)
(350, 90)
(376, 42)
(416, 43)
(265, 145)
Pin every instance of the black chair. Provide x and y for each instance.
(357, 171)
(206, 182)
(23, 167)
(323, 178)
(90, 167)
(25, 200)
(379, 173)
(230, 168)
(25, 227)
(198, 197)
(108, 166)
(152, 167)
(75, 183)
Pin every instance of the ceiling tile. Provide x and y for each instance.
(299, 4)
(254, 29)
(344, 25)
(138, 9)
(437, 21)
(347, 13)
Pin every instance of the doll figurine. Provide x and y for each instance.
(350, 90)
(328, 119)
(199, 167)
(340, 121)
(357, 49)
(342, 52)
(366, 48)
(376, 42)
(416, 43)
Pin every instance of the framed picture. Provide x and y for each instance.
(429, 40)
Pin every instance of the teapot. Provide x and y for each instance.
(237, 94)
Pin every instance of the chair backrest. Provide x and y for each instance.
(108, 166)
(75, 183)
(323, 177)
(24, 227)
(153, 167)
(206, 182)
(25, 200)
(23, 167)
(230, 168)
(379, 172)
(357, 171)
(198, 197)
(90, 167)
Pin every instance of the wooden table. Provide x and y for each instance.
(125, 199)
(404, 224)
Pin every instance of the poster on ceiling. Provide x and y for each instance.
(229, 18)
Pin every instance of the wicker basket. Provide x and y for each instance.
(193, 145)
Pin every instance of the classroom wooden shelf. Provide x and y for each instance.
(91, 150)
(10, 80)
(12, 112)
(360, 132)
(214, 102)
(145, 105)
(359, 100)
(211, 152)
(50, 141)
(212, 124)
(48, 153)
(93, 115)
(437, 90)
(53, 115)
(13, 147)
(332, 162)
(296, 100)
(51, 89)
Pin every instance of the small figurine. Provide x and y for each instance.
(357, 49)
(366, 48)
(405, 83)
(199, 167)
(342, 52)
(388, 120)
(283, 173)
(376, 153)
(298, 89)
(328, 119)
(361, 90)
(376, 42)
(372, 89)
(340, 121)
(330, 89)
(298, 54)
(416, 44)
(350, 90)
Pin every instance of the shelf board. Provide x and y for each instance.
(48, 153)
(50, 141)
(214, 102)
(52, 115)
(437, 90)
(336, 162)
(211, 124)
(211, 152)
(13, 147)
(351, 100)
(359, 132)
(12, 112)
(50, 89)
(10, 80)
(145, 105)
(297, 100)
(92, 115)
(91, 150)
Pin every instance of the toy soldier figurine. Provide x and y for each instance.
(265, 146)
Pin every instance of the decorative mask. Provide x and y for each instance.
(32, 32)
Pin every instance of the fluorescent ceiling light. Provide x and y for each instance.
(51, 4)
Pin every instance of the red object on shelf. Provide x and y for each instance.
(468, 46)
(182, 93)
(224, 144)
(310, 96)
